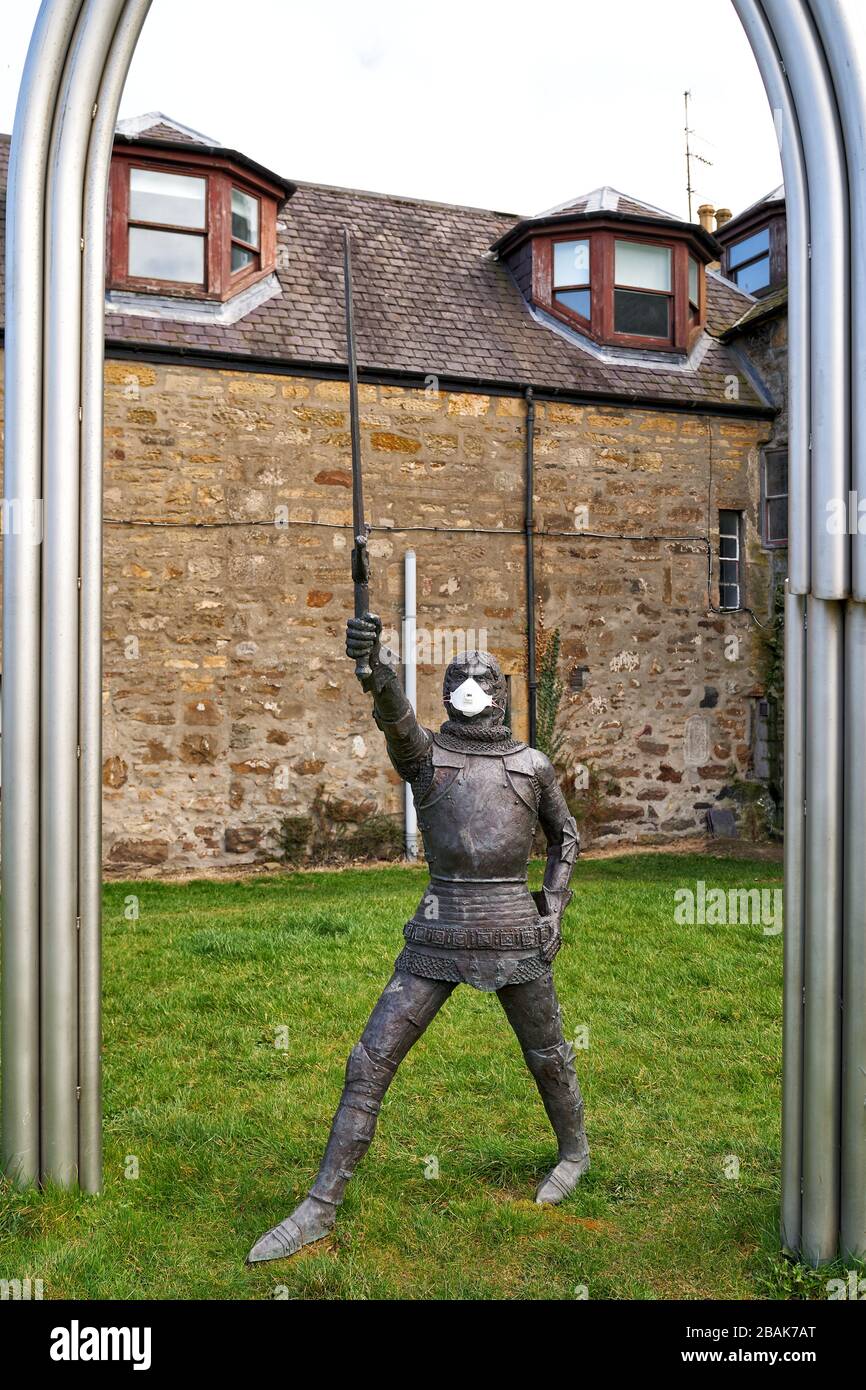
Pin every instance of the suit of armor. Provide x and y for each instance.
(479, 796)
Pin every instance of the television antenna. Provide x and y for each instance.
(691, 154)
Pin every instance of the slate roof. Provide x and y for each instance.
(726, 303)
(768, 307)
(607, 199)
(430, 299)
(157, 126)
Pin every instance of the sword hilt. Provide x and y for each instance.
(361, 580)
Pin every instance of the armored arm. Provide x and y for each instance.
(563, 847)
(407, 742)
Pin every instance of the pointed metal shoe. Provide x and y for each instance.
(312, 1220)
(561, 1181)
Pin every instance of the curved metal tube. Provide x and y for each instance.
(21, 575)
(839, 37)
(852, 1205)
(823, 930)
(90, 637)
(60, 573)
(834, 21)
(793, 939)
(829, 321)
(763, 44)
(766, 53)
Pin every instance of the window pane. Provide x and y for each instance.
(645, 314)
(579, 301)
(570, 263)
(241, 257)
(174, 199)
(693, 282)
(245, 217)
(755, 276)
(776, 477)
(166, 255)
(749, 247)
(647, 267)
(777, 519)
(728, 547)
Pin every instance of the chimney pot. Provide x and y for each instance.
(723, 215)
(706, 217)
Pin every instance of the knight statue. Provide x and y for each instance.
(479, 795)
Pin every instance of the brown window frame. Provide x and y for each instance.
(236, 241)
(221, 175)
(686, 323)
(565, 289)
(643, 340)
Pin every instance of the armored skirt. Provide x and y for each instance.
(482, 934)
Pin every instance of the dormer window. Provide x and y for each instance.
(618, 272)
(749, 261)
(189, 221)
(755, 246)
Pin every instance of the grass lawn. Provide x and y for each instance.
(224, 1126)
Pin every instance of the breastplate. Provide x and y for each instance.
(478, 815)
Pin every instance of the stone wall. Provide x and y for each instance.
(228, 700)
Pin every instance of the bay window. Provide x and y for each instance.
(638, 286)
(189, 225)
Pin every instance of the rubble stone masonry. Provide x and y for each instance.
(228, 699)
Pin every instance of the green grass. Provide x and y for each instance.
(226, 1128)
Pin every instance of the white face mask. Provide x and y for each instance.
(469, 698)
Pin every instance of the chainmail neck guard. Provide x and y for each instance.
(461, 738)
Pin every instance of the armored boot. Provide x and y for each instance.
(367, 1079)
(406, 1006)
(556, 1079)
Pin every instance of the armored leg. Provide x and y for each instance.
(533, 1011)
(405, 1008)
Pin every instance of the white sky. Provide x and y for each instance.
(515, 107)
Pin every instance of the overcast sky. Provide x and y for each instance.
(511, 106)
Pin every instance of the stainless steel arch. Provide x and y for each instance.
(67, 108)
(812, 57)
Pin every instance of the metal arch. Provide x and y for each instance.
(61, 145)
(812, 57)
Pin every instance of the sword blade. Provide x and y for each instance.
(360, 557)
